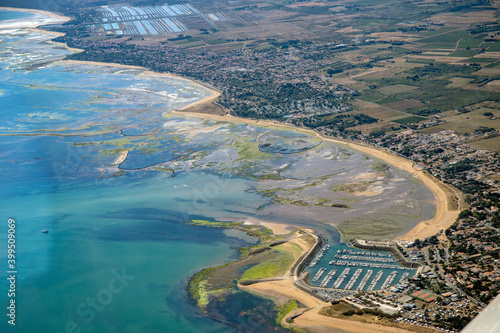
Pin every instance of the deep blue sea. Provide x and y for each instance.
(91, 154)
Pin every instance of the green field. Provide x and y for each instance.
(278, 264)
(471, 42)
(397, 88)
(218, 42)
(187, 40)
(429, 33)
(492, 144)
(475, 119)
(451, 37)
(409, 120)
(482, 60)
(492, 46)
(495, 64)
(464, 53)
(421, 61)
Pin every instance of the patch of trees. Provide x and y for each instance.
(485, 28)
(341, 121)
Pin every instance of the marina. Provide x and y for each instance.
(372, 270)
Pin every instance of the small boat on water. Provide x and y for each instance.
(45, 231)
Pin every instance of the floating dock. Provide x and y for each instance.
(365, 279)
(353, 279)
(318, 274)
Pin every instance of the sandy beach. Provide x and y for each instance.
(36, 21)
(277, 228)
(284, 290)
(315, 322)
(214, 94)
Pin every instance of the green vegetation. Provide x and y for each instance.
(409, 120)
(198, 289)
(431, 79)
(285, 309)
(482, 59)
(464, 53)
(280, 262)
(216, 224)
(451, 37)
(352, 187)
(217, 42)
(492, 46)
(341, 121)
(471, 42)
(263, 233)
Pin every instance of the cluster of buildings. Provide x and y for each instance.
(448, 157)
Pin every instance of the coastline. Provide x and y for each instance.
(25, 24)
(285, 289)
(37, 11)
(445, 215)
(214, 94)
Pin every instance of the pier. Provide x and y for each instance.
(320, 255)
(403, 278)
(353, 279)
(365, 279)
(341, 278)
(318, 274)
(389, 279)
(328, 278)
(375, 280)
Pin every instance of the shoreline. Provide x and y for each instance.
(214, 94)
(444, 216)
(37, 11)
(36, 24)
(286, 289)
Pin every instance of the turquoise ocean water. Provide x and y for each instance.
(87, 153)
